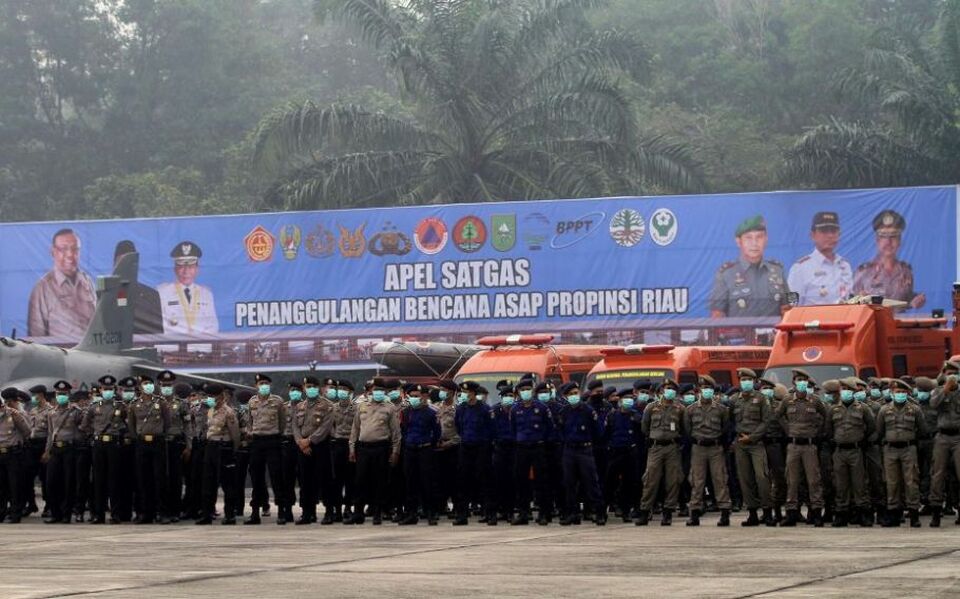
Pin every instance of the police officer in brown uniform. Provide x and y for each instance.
(803, 416)
(37, 417)
(374, 446)
(922, 391)
(662, 425)
(449, 445)
(14, 434)
(870, 395)
(705, 421)
(148, 420)
(946, 445)
(313, 420)
(775, 444)
(751, 412)
(899, 425)
(64, 425)
(268, 420)
(106, 422)
(850, 424)
(223, 439)
(192, 499)
(179, 442)
(343, 469)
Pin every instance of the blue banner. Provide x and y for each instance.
(596, 264)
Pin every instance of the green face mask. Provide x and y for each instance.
(443, 395)
(312, 392)
(827, 398)
(689, 398)
(643, 397)
(707, 393)
(343, 394)
(544, 397)
(923, 396)
(394, 394)
(860, 396)
(379, 395)
(109, 394)
(768, 393)
(670, 394)
(900, 397)
(331, 393)
(463, 398)
(414, 401)
(746, 384)
(506, 402)
(526, 395)
(149, 388)
(295, 394)
(128, 395)
(801, 386)
(62, 399)
(846, 395)
(263, 389)
(876, 393)
(627, 402)
(210, 402)
(573, 399)
(166, 391)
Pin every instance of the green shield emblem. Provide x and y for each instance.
(504, 231)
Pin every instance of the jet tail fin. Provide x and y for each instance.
(111, 330)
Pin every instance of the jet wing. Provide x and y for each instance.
(153, 370)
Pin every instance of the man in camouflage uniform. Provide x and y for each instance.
(750, 285)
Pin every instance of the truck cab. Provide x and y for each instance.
(622, 366)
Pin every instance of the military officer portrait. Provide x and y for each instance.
(187, 306)
(823, 276)
(63, 301)
(749, 285)
(886, 275)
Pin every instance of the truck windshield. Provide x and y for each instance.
(820, 372)
(626, 377)
(490, 379)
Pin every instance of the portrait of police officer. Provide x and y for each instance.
(188, 306)
(886, 274)
(751, 285)
(822, 276)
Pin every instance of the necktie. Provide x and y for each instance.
(186, 293)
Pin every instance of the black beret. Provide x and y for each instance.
(213, 388)
(594, 384)
(244, 395)
(79, 395)
(642, 384)
(568, 387)
(608, 391)
(378, 381)
(414, 388)
(625, 391)
(144, 379)
(108, 380)
(505, 390)
(39, 389)
(295, 385)
(345, 383)
(9, 393)
(182, 390)
(447, 384)
(262, 378)
(524, 382)
(503, 383)
(128, 382)
(470, 386)
(24, 397)
(686, 388)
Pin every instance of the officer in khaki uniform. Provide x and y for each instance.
(219, 465)
(35, 468)
(946, 445)
(374, 446)
(849, 425)
(179, 442)
(268, 420)
(14, 434)
(662, 425)
(343, 469)
(775, 444)
(63, 423)
(922, 390)
(148, 419)
(899, 425)
(313, 420)
(751, 412)
(705, 421)
(803, 416)
(106, 422)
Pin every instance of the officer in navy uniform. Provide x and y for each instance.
(750, 285)
(475, 427)
(622, 433)
(532, 425)
(420, 431)
(602, 407)
(579, 429)
(546, 392)
(504, 451)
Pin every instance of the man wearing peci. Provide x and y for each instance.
(187, 306)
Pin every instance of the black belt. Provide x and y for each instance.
(181, 438)
(13, 449)
(848, 446)
(950, 431)
(529, 443)
(374, 443)
(583, 445)
(663, 442)
(802, 441)
(707, 442)
(505, 443)
(221, 443)
(106, 438)
(418, 445)
(344, 441)
(900, 444)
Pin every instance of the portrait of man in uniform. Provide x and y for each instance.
(63, 301)
(187, 306)
(750, 285)
(823, 276)
(886, 275)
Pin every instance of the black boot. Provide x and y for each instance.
(935, 512)
(866, 518)
(329, 517)
(601, 518)
(893, 519)
(839, 520)
(828, 515)
(817, 518)
(410, 520)
(793, 516)
(768, 519)
(431, 518)
(724, 518)
(522, 519)
(752, 519)
(778, 515)
(694, 519)
(914, 519)
(667, 518)
(643, 518)
(253, 519)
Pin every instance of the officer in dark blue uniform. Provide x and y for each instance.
(475, 427)
(504, 451)
(546, 392)
(623, 436)
(532, 426)
(602, 407)
(421, 433)
(579, 429)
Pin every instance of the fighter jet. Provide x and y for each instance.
(106, 348)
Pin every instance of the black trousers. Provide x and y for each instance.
(265, 455)
(175, 464)
(62, 480)
(194, 476)
(373, 471)
(258, 498)
(344, 473)
(555, 465)
(219, 471)
(84, 478)
(580, 475)
(11, 480)
(152, 477)
(474, 465)
(106, 478)
(504, 456)
(290, 473)
(419, 472)
(34, 468)
(621, 477)
(533, 456)
(316, 479)
(129, 497)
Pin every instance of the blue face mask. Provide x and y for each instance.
(689, 398)
(312, 392)
(643, 397)
(707, 393)
(128, 395)
(573, 399)
(394, 394)
(860, 396)
(768, 393)
(923, 396)
(166, 391)
(827, 398)
(109, 394)
(801, 386)
(443, 395)
(526, 395)
(543, 397)
(263, 389)
(876, 393)
(885, 392)
(463, 398)
(149, 388)
(414, 401)
(34, 401)
(506, 401)
(627, 402)
(62, 400)
(900, 397)
(343, 394)
(746, 384)
(379, 395)
(331, 392)
(295, 394)
(670, 394)
(846, 395)
(210, 402)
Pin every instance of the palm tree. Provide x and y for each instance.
(510, 99)
(912, 82)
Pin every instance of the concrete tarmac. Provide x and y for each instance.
(586, 561)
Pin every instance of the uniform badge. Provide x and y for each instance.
(742, 303)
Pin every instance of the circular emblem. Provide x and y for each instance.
(627, 227)
(259, 243)
(469, 234)
(663, 227)
(430, 236)
(812, 354)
